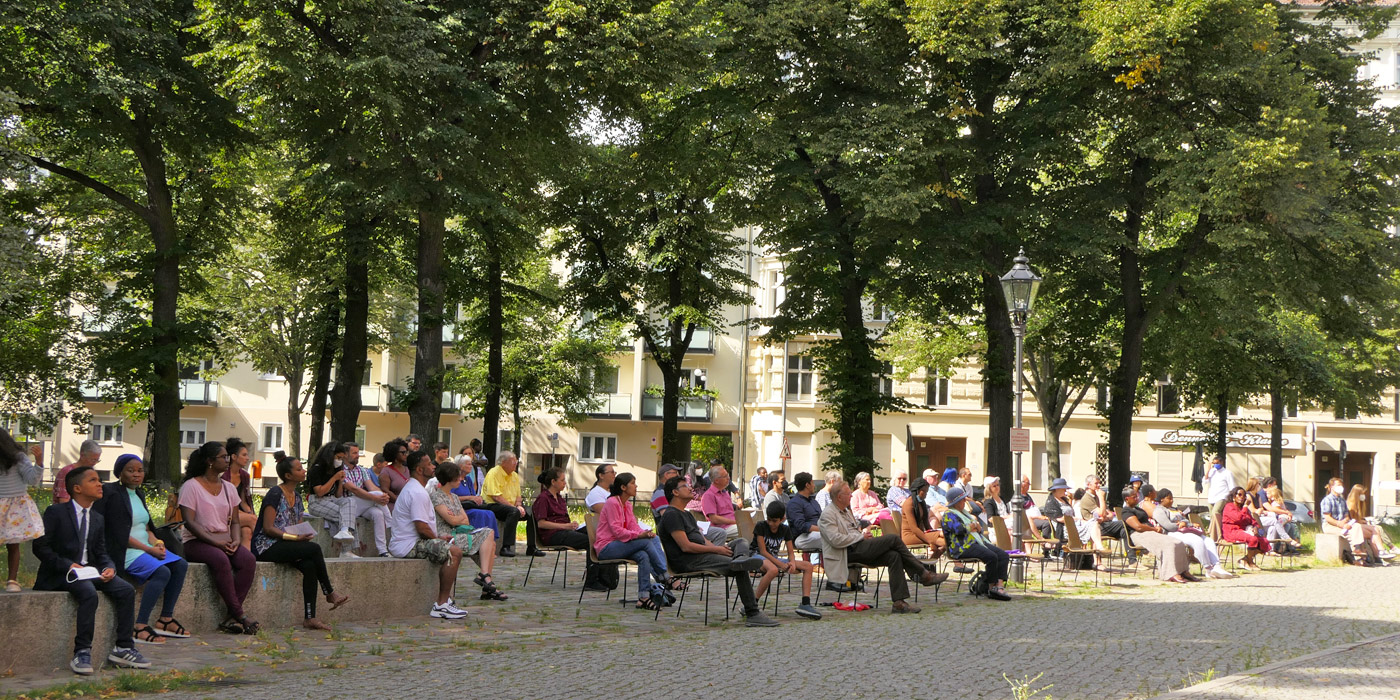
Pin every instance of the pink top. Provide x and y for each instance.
(616, 523)
(719, 503)
(867, 506)
(211, 512)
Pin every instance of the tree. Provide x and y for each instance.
(113, 99)
(1067, 349)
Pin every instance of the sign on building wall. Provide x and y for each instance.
(1248, 441)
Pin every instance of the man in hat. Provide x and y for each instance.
(1056, 507)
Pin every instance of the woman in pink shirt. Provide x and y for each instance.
(621, 537)
(866, 505)
(213, 535)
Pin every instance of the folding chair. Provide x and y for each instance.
(1004, 543)
(1138, 552)
(590, 520)
(744, 519)
(1075, 548)
(704, 577)
(561, 553)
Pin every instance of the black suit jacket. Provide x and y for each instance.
(59, 549)
(116, 512)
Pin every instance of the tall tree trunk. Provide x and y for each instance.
(292, 445)
(1123, 402)
(354, 341)
(1000, 373)
(670, 412)
(1222, 428)
(425, 412)
(1052, 452)
(1276, 408)
(517, 429)
(322, 381)
(495, 341)
(856, 416)
(163, 462)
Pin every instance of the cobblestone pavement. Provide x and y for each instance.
(1367, 671)
(1138, 639)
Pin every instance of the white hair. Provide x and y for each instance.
(503, 456)
(90, 447)
(835, 477)
(714, 472)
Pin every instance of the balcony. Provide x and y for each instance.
(613, 406)
(370, 398)
(451, 402)
(702, 341)
(98, 392)
(692, 408)
(197, 392)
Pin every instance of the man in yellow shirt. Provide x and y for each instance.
(502, 493)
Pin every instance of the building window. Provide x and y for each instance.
(192, 432)
(1291, 410)
(505, 440)
(939, 389)
(774, 292)
(107, 431)
(1168, 399)
(270, 435)
(880, 312)
(361, 436)
(986, 393)
(272, 377)
(884, 383)
(1346, 413)
(1101, 462)
(608, 380)
(368, 377)
(1103, 394)
(445, 436)
(799, 376)
(597, 448)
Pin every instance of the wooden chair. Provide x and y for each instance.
(744, 519)
(590, 520)
(1004, 543)
(1138, 552)
(1032, 536)
(1075, 551)
(561, 554)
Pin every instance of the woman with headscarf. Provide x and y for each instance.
(916, 523)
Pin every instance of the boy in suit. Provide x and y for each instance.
(73, 538)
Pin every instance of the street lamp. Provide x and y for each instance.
(1019, 287)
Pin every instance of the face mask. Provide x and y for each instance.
(1337, 490)
(339, 463)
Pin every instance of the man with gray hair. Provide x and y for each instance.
(88, 455)
(847, 540)
(502, 494)
(717, 504)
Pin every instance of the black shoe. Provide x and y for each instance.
(995, 594)
(746, 564)
(535, 553)
(960, 569)
(507, 552)
(838, 587)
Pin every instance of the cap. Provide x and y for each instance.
(987, 482)
(1135, 478)
(929, 472)
(955, 495)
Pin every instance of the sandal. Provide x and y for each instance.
(337, 602)
(490, 592)
(675, 584)
(163, 627)
(484, 580)
(12, 586)
(647, 604)
(249, 627)
(147, 635)
(232, 626)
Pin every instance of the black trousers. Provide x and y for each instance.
(308, 557)
(994, 560)
(1115, 529)
(719, 563)
(509, 517)
(123, 598)
(569, 538)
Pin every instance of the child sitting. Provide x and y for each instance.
(769, 537)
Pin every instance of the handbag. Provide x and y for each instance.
(170, 535)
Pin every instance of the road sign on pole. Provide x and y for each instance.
(1020, 439)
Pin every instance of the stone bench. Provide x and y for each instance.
(37, 630)
(1329, 547)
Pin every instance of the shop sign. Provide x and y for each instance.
(1248, 441)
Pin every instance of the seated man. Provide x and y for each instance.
(73, 538)
(715, 535)
(688, 551)
(502, 494)
(845, 541)
(1033, 514)
(718, 505)
(416, 537)
(965, 541)
(769, 538)
(777, 490)
(370, 503)
(1094, 507)
(803, 513)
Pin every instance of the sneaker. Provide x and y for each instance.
(1387, 555)
(386, 555)
(904, 607)
(349, 555)
(808, 612)
(758, 619)
(838, 587)
(447, 612)
(1219, 572)
(82, 663)
(998, 594)
(130, 658)
(344, 535)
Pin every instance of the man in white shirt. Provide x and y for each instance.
(415, 537)
(603, 478)
(1219, 484)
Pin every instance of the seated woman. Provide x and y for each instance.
(552, 513)
(281, 509)
(866, 505)
(916, 523)
(1088, 528)
(212, 536)
(1179, 528)
(1356, 510)
(1277, 519)
(479, 543)
(327, 496)
(469, 493)
(1240, 526)
(992, 505)
(620, 537)
(966, 541)
(1173, 562)
(140, 556)
(238, 460)
(395, 472)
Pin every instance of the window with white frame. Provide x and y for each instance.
(368, 377)
(445, 435)
(505, 441)
(361, 436)
(884, 383)
(271, 377)
(774, 292)
(608, 380)
(192, 432)
(270, 437)
(880, 312)
(799, 376)
(107, 431)
(939, 390)
(597, 448)
(1168, 398)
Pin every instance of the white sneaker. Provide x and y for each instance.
(349, 555)
(1387, 555)
(344, 534)
(1220, 572)
(447, 612)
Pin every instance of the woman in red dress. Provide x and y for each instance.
(1239, 525)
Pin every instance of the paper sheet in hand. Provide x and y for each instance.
(299, 529)
(83, 573)
(704, 526)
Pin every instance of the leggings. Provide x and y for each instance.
(306, 556)
(233, 573)
(168, 579)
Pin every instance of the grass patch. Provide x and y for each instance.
(124, 684)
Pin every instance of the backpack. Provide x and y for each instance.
(605, 575)
(978, 585)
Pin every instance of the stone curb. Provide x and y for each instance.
(1250, 675)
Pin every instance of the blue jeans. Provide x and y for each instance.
(651, 561)
(169, 580)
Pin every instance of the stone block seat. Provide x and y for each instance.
(1329, 547)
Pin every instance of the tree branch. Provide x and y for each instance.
(95, 185)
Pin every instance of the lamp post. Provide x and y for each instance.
(1019, 287)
